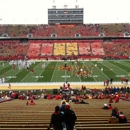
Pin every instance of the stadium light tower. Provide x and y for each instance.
(54, 5)
(76, 4)
(65, 6)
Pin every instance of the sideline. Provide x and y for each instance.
(56, 85)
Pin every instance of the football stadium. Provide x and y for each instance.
(64, 65)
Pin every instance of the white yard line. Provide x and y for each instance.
(65, 75)
(53, 72)
(109, 68)
(88, 69)
(4, 67)
(42, 70)
(101, 72)
(78, 76)
(124, 64)
(8, 71)
(118, 67)
(29, 73)
(15, 74)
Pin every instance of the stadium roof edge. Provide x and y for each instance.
(64, 38)
(27, 24)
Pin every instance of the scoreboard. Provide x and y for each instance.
(65, 16)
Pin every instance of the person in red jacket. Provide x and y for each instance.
(111, 98)
(26, 103)
(117, 98)
(57, 97)
(32, 102)
(57, 119)
(49, 96)
(110, 106)
(122, 118)
(126, 95)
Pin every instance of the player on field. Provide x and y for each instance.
(43, 65)
(4, 74)
(32, 70)
(13, 67)
(111, 68)
(3, 64)
(9, 86)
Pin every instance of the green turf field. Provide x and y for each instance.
(53, 71)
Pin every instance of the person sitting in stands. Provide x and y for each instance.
(110, 106)
(105, 106)
(111, 98)
(90, 96)
(126, 95)
(101, 96)
(122, 118)
(117, 98)
(115, 112)
(42, 95)
(84, 96)
(76, 101)
(57, 97)
(83, 102)
(49, 96)
(26, 103)
(32, 102)
(113, 119)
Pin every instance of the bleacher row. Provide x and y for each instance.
(22, 31)
(16, 115)
(85, 49)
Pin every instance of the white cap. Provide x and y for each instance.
(105, 104)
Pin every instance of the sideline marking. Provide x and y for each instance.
(11, 77)
(38, 77)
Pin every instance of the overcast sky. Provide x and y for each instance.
(35, 11)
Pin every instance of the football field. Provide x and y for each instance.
(55, 71)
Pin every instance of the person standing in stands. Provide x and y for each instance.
(57, 118)
(9, 86)
(111, 80)
(70, 118)
(127, 81)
